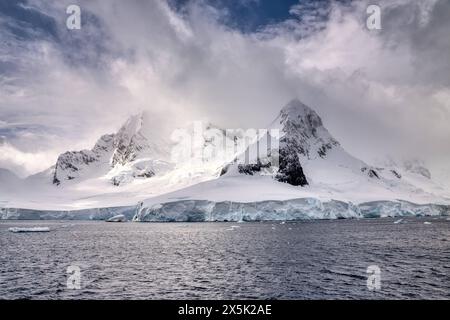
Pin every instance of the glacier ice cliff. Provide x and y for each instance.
(288, 210)
(270, 210)
(84, 214)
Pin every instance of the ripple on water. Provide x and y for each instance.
(307, 260)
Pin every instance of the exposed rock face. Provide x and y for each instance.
(250, 169)
(111, 150)
(70, 164)
(372, 172)
(303, 131)
(290, 170)
(129, 142)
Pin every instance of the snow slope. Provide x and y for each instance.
(8, 179)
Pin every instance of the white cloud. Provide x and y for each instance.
(23, 163)
(379, 92)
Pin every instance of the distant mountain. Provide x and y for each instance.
(414, 165)
(8, 179)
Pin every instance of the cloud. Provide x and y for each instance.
(379, 92)
(22, 163)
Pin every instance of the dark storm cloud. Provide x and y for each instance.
(25, 22)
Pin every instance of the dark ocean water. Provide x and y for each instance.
(302, 260)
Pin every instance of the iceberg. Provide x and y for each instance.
(117, 218)
(30, 229)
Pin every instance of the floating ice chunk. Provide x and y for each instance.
(398, 221)
(426, 222)
(67, 225)
(31, 229)
(118, 218)
(231, 228)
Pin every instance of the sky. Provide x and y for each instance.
(235, 63)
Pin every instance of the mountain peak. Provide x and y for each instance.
(132, 126)
(129, 140)
(296, 110)
(295, 105)
(110, 150)
(302, 128)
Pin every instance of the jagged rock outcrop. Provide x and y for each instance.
(290, 170)
(110, 151)
(303, 131)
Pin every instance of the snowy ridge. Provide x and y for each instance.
(75, 164)
(129, 142)
(112, 151)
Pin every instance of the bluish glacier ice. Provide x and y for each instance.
(289, 210)
(84, 214)
(204, 210)
(378, 209)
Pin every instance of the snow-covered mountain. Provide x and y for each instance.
(414, 165)
(305, 173)
(125, 167)
(8, 179)
(121, 157)
(309, 155)
(312, 165)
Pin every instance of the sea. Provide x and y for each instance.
(378, 259)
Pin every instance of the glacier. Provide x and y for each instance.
(287, 210)
(84, 214)
(223, 211)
